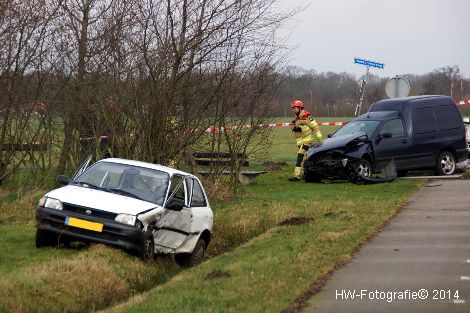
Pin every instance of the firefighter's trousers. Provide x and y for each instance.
(299, 165)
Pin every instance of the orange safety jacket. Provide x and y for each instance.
(310, 130)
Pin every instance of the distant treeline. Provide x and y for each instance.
(333, 94)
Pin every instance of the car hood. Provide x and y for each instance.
(334, 143)
(100, 200)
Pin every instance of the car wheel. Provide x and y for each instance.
(364, 168)
(148, 249)
(194, 258)
(45, 239)
(65, 241)
(446, 163)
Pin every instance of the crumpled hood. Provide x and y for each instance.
(334, 143)
(100, 200)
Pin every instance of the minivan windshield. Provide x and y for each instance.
(354, 127)
(127, 180)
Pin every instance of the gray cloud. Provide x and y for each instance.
(409, 36)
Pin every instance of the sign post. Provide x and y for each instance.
(397, 87)
(368, 64)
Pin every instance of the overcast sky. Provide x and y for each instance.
(409, 36)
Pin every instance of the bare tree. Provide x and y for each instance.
(82, 21)
(23, 31)
(184, 59)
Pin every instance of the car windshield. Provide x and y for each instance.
(357, 126)
(127, 180)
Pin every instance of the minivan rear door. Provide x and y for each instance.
(426, 142)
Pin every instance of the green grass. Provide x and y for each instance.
(269, 271)
(269, 266)
(18, 250)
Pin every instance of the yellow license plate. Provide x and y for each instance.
(75, 222)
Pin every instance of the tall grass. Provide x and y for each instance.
(268, 266)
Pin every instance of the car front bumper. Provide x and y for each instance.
(325, 169)
(113, 233)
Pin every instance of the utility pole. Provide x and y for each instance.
(311, 102)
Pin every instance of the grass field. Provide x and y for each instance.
(275, 267)
(268, 247)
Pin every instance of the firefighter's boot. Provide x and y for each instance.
(297, 174)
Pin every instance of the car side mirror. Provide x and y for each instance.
(175, 204)
(329, 136)
(63, 180)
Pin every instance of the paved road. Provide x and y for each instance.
(425, 247)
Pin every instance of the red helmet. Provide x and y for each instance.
(297, 104)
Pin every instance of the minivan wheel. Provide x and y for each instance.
(446, 163)
(364, 168)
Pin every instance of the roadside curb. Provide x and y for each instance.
(457, 176)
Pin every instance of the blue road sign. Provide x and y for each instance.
(368, 63)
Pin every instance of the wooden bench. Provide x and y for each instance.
(244, 177)
(219, 159)
(224, 159)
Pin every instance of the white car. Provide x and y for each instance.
(140, 207)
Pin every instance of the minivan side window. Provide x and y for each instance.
(447, 117)
(394, 127)
(198, 199)
(424, 121)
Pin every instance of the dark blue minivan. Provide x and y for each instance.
(421, 132)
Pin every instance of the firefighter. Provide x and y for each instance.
(306, 132)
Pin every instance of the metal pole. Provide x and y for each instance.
(311, 102)
(361, 93)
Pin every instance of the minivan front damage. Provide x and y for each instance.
(330, 159)
(341, 158)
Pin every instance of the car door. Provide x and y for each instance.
(201, 212)
(174, 226)
(83, 167)
(396, 147)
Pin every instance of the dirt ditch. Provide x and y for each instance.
(216, 274)
(296, 220)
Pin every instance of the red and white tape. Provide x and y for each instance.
(226, 128)
(222, 129)
(217, 129)
(462, 102)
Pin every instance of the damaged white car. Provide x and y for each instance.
(140, 207)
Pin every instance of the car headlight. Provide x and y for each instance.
(50, 203)
(125, 219)
(42, 201)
